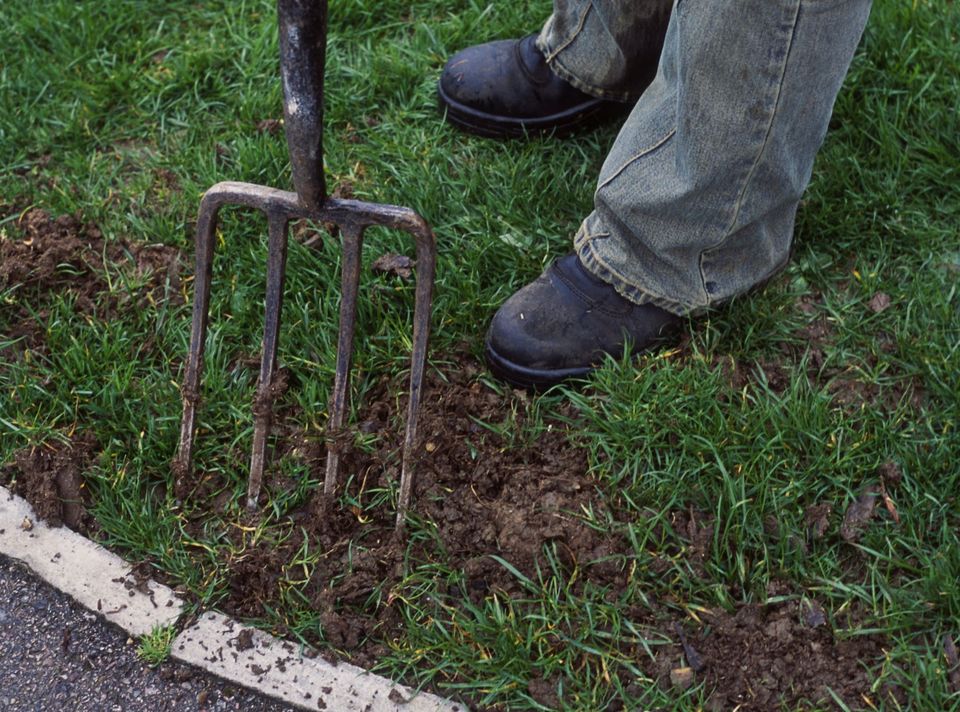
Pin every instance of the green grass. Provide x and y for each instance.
(100, 101)
(155, 646)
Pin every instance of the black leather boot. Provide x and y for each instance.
(505, 89)
(564, 323)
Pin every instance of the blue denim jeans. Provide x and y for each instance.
(697, 198)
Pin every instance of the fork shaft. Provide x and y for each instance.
(303, 44)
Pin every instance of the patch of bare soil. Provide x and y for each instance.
(50, 478)
(762, 658)
(484, 497)
(489, 496)
(64, 253)
(46, 255)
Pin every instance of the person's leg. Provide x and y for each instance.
(606, 48)
(696, 201)
(590, 56)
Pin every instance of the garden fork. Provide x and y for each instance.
(303, 33)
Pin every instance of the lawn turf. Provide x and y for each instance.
(844, 368)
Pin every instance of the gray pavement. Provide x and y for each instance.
(55, 655)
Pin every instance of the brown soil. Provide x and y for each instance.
(55, 253)
(64, 255)
(484, 493)
(483, 497)
(762, 657)
(50, 478)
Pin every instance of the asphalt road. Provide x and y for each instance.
(57, 656)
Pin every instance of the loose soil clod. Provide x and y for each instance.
(764, 657)
(394, 264)
(859, 513)
(50, 478)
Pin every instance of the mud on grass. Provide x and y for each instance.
(42, 256)
(500, 498)
(492, 489)
(474, 495)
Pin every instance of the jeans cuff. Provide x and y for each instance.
(638, 294)
(555, 63)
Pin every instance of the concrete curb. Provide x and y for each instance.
(259, 661)
(96, 578)
(102, 582)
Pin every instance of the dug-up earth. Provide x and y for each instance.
(482, 494)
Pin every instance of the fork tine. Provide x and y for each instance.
(426, 265)
(205, 241)
(350, 280)
(263, 401)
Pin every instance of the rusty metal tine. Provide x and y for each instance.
(350, 281)
(204, 241)
(426, 266)
(263, 401)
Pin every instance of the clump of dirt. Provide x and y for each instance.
(46, 256)
(50, 477)
(50, 253)
(65, 253)
(778, 656)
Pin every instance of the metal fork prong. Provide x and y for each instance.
(426, 265)
(263, 401)
(352, 236)
(204, 247)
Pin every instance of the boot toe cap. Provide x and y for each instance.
(474, 76)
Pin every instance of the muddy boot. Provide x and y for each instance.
(565, 323)
(505, 89)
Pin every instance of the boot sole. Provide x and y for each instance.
(531, 378)
(538, 379)
(481, 123)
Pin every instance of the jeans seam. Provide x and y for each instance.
(566, 43)
(640, 154)
(555, 63)
(738, 205)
